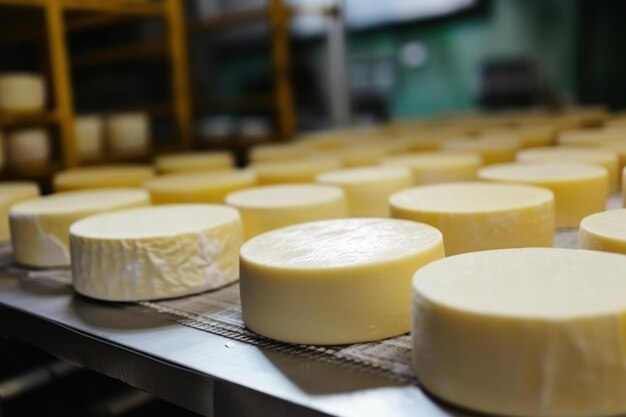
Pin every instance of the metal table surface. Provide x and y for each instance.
(201, 371)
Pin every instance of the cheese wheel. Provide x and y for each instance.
(493, 150)
(304, 170)
(435, 167)
(368, 189)
(12, 192)
(40, 227)
(477, 216)
(198, 187)
(101, 176)
(523, 332)
(89, 132)
(276, 152)
(196, 161)
(604, 231)
(602, 157)
(28, 148)
(274, 206)
(364, 154)
(579, 189)
(174, 250)
(334, 281)
(22, 92)
(128, 133)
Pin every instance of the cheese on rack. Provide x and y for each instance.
(128, 133)
(274, 206)
(605, 231)
(40, 227)
(28, 148)
(477, 216)
(156, 252)
(523, 332)
(12, 192)
(89, 131)
(196, 161)
(22, 92)
(579, 189)
(368, 189)
(334, 281)
(198, 187)
(597, 156)
(102, 176)
(304, 170)
(434, 167)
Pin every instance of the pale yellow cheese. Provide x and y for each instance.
(128, 133)
(523, 332)
(198, 187)
(277, 152)
(605, 231)
(493, 150)
(477, 216)
(22, 92)
(334, 281)
(304, 170)
(101, 176)
(89, 132)
(28, 147)
(12, 192)
(193, 161)
(435, 167)
(40, 227)
(273, 206)
(368, 189)
(579, 189)
(156, 252)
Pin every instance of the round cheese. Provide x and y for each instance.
(304, 170)
(40, 227)
(89, 132)
(604, 231)
(493, 150)
(101, 176)
(198, 187)
(28, 148)
(193, 161)
(274, 206)
(477, 216)
(277, 152)
(156, 252)
(523, 332)
(579, 189)
(12, 192)
(128, 133)
(368, 189)
(435, 167)
(334, 281)
(22, 92)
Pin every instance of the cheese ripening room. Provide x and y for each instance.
(250, 208)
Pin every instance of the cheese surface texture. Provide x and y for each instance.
(604, 231)
(193, 161)
(40, 227)
(523, 332)
(198, 187)
(156, 252)
(435, 167)
(22, 92)
(334, 281)
(101, 176)
(12, 192)
(477, 216)
(579, 189)
(274, 206)
(368, 189)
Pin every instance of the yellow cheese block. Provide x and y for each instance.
(101, 176)
(198, 187)
(12, 192)
(89, 131)
(435, 167)
(523, 332)
(22, 92)
(579, 189)
(368, 189)
(28, 147)
(193, 161)
(334, 281)
(128, 133)
(477, 216)
(304, 170)
(604, 231)
(602, 157)
(493, 150)
(40, 227)
(156, 252)
(274, 206)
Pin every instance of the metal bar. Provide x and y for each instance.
(338, 90)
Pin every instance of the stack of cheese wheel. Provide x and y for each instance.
(579, 189)
(40, 227)
(128, 133)
(477, 216)
(334, 281)
(89, 132)
(196, 161)
(102, 176)
(304, 170)
(604, 231)
(523, 332)
(22, 92)
(198, 187)
(175, 250)
(274, 206)
(435, 167)
(368, 189)
(12, 192)
(28, 148)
